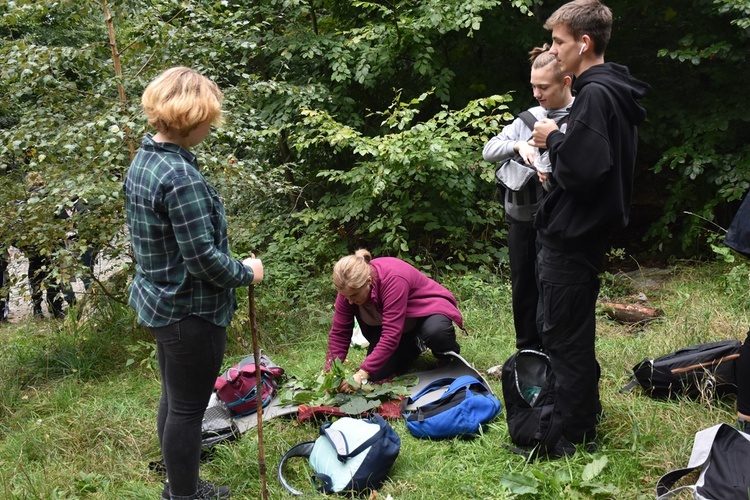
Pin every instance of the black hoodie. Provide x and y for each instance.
(594, 161)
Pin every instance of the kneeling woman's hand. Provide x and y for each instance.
(360, 378)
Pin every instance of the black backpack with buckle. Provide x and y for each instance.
(534, 420)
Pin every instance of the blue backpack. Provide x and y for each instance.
(463, 408)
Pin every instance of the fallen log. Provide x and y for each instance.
(630, 313)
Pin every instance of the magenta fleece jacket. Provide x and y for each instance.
(399, 291)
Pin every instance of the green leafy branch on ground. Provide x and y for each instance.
(323, 390)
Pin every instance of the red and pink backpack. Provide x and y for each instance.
(237, 386)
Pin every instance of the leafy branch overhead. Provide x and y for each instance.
(322, 390)
(353, 124)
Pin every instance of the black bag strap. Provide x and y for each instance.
(444, 403)
(299, 450)
(323, 483)
(664, 486)
(528, 118)
(453, 395)
(431, 387)
(629, 386)
(550, 435)
(526, 453)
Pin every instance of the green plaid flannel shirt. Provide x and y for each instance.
(178, 231)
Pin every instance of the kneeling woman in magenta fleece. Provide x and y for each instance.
(400, 311)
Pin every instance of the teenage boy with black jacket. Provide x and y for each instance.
(592, 168)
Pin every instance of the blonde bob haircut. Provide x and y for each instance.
(352, 272)
(180, 99)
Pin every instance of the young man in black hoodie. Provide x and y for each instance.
(592, 168)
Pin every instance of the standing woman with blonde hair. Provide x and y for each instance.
(400, 310)
(183, 289)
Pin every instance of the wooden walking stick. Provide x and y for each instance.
(258, 390)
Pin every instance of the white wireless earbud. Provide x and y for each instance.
(583, 47)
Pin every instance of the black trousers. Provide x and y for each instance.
(743, 377)
(569, 287)
(39, 275)
(522, 251)
(190, 353)
(436, 332)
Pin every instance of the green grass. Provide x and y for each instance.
(77, 419)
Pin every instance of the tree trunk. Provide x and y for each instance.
(118, 72)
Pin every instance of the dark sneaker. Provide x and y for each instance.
(206, 491)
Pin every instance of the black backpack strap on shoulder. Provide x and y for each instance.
(528, 118)
(300, 450)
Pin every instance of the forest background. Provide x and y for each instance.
(356, 124)
(351, 124)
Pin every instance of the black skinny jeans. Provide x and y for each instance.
(190, 353)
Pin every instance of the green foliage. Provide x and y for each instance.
(415, 190)
(699, 153)
(737, 281)
(562, 482)
(613, 285)
(322, 390)
(740, 8)
(146, 351)
(349, 125)
(284, 68)
(68, 126)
